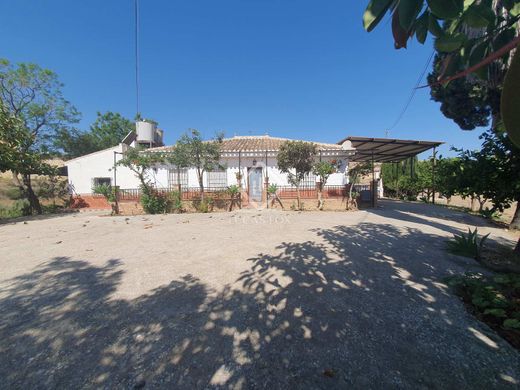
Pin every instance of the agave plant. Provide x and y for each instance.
(467, 244)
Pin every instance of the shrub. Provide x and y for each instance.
(20, 208)
(175, 202)
(489, 213)
(468, 245)
(234, 193)
(107, 191)
(495, 300)
(13, 193)
(155, 202)
(271, 190)
(205, 205)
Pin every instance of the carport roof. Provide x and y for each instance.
(387, 149)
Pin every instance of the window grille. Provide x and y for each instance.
(98, 181)
(173, 178)
(216, 179)
(309, 180)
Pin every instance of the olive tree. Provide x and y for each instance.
(323, 169)
(204, 156)
(31, 97)
(296, 159)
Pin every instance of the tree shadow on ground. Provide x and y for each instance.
(425, 212)
(359, 306)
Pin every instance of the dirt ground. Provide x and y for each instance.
(248, 299)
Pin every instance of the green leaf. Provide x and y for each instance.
(374, 12)
(446, 9)
(510, 100)
(449, 43)
(421, 27)
(515, 10)
(479, 16)
(512, 323)
(433, 26)
(467, 4)
(495, 312)
(408, 11)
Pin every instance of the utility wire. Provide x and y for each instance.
(136, 11)
(412, 93)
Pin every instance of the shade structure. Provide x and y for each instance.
(387, 149)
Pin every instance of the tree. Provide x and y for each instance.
(139, 161)
(108, 130)
(355, 174)
(32, 97)
(323, 169)
(74, 143)
(296, 159)
(204, 156)
(476, 39)
(179, 157)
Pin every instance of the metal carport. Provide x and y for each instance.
(387, 150)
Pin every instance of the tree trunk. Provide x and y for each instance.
(515, 223)
(179, 181)
(320, 196)
(298, 198)
(31, 196)
(201, 186)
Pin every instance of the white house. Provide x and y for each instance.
(255, 157)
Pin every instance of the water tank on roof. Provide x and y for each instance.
(145, 132)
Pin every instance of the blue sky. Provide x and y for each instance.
(290, 68)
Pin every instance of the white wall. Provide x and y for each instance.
(100, 164)
(83, 170)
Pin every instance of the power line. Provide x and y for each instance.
(136, 11)
(412, 93)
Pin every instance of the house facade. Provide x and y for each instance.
(248, 161)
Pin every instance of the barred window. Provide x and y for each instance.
(98, 181)
(309, 180)
(216, 179)
(173, 178)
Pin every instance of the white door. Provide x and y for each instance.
(255, 184)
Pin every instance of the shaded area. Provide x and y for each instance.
(359, 306)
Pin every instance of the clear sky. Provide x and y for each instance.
(301, 69)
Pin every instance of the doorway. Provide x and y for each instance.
(255, 183)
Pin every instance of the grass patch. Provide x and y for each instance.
(494, 300)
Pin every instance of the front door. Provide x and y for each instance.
(255, 184)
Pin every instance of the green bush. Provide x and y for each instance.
(13, 193)
(495, 300)
(155, 202)
(175, 202)
(468, 245)
(204, 206)
(107, 191)
(20, 208)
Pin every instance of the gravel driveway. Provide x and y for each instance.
(249, 299)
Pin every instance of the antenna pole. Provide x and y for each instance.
(136, 9)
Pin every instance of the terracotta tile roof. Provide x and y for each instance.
(257, 143)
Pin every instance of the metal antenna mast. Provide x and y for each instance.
(136, 9)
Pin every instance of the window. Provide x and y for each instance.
(309, 180)
(98, 181)
(216, 179)
(173, 178)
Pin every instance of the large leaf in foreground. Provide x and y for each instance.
(510, 100)
(375, 11)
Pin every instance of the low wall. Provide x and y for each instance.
(91, 202)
